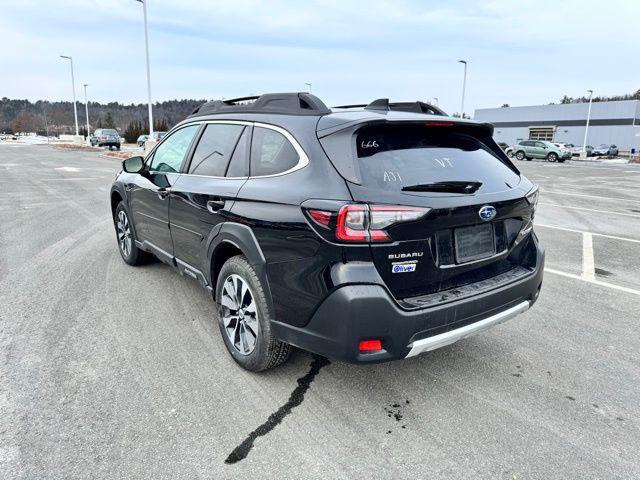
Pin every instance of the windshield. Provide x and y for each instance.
(398, 156)
(109, 132)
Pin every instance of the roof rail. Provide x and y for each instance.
(383, 105)
(300, 103)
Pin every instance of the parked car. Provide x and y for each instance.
(506, 148)
(604, 149)
(105, 137)
(577, 150)
(366, 233)
(156, 135)
(528, 149)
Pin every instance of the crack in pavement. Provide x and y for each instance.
(295, 399)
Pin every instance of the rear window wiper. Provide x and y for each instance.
(446, 187)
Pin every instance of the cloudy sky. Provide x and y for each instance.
(519, 52)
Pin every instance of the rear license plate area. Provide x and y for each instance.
(474, 243)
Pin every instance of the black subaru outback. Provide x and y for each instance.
(364, 233)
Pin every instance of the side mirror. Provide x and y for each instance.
(133, 164)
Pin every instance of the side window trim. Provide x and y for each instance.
(303, 159)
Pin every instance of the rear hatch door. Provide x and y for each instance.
(475, 195)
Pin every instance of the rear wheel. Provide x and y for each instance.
(244, 318)
(129, 252)
(520, 155)
(552, 157)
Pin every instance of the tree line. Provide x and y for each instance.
(57, 118)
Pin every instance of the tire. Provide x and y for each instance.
(520, 155)
(510, 154)
(129, 252)
(552, 157)
(248, 319)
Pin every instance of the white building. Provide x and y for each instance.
(616, 123)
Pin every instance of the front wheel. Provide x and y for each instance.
(520, 155)
(552, 157)
(244, 318)
(129, 252)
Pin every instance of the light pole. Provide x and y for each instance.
(308, 85)
(146, 46)
(86, 109)
(73, 85)
(586, 128)
(464, 86)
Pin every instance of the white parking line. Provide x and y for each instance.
(595, 282)
(588, 263)
(588, 196)
(613, 237)
(591, 210)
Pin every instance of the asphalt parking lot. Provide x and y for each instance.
(109, 371)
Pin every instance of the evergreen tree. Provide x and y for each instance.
(108, 121)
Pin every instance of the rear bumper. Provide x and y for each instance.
(353, 313)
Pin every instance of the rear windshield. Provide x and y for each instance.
(395, 156)
(109, 132)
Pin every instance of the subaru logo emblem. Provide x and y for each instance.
(487, 213)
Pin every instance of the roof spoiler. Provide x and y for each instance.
(383, 105)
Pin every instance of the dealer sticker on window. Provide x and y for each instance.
(403, 267)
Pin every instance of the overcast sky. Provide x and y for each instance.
(519, 52)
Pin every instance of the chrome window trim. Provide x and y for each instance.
(303, 159)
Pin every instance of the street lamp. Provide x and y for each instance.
(308, 85)
(86, 109)
(586, 128)
(464, 86)
(146, 46)
(73, 85)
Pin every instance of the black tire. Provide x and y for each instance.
(520, 155)
(552, 157)
(510, 154)
(131, 255)
(267, 352)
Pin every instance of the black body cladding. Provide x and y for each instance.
(202, 197)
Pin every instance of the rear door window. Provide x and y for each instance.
(214, 149)
(392, 157)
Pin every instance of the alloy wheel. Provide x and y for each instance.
(239, 314)
(124, 233)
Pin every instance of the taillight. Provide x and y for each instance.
(361, 223)
(352, 224)
(322, 217)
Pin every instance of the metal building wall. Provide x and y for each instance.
(611, 122)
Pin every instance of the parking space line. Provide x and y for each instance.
(588, 263)
(613, 237)
(595, 282)
(551, 192)
(591, 210)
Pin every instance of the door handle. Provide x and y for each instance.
(163, 192)
(215, 205)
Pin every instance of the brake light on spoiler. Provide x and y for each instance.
(363, 223)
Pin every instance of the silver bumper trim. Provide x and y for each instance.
(447, 338)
